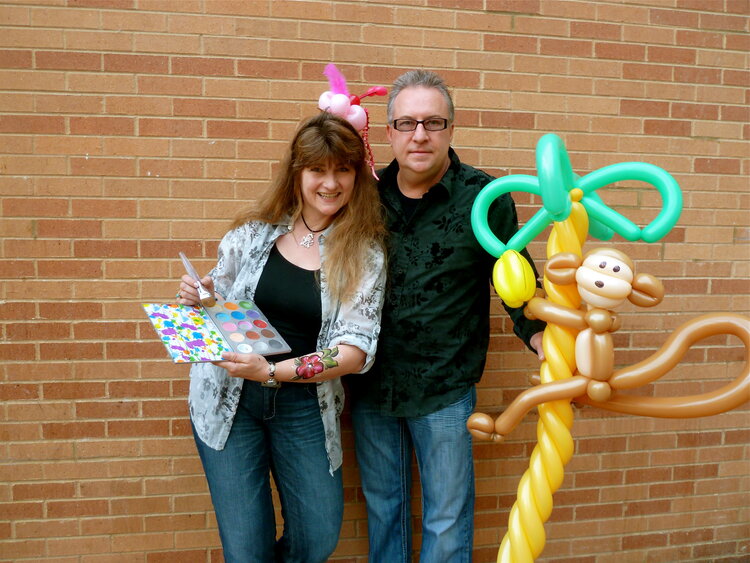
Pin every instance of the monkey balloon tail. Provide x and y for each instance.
(723, 399)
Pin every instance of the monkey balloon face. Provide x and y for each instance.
(605, 279)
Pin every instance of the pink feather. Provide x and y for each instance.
(336, 80)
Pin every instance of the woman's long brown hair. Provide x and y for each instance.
(320, 139)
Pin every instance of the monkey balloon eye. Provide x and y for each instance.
(603, 265)
(599, 284)
(616, 269)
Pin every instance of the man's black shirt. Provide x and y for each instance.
(435, 325)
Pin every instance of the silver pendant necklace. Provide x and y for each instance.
(309, 239)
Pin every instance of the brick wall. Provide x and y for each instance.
(132, 129)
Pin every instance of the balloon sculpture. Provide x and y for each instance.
(340, 102)
(578, 348)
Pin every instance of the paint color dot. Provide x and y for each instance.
(268, 333)
(252, 335)
(274, 344)
(231, 306)
(260, 347)
(252, 314)
(236, 337)
(222, 316)
(260, 324)
(237, 315)
(244, 325)
(246, 304)
(244, 349)
(229, 326)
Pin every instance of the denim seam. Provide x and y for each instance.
(405, 494)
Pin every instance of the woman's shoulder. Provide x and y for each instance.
(373, 247)
(251, 229)
(375, 254)
(240, 239)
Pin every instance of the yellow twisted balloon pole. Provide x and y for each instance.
(525, 538)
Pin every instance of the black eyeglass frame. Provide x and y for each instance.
(395, 123)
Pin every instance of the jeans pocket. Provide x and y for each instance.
(457, 412)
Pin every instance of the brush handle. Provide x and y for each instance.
(205, 296)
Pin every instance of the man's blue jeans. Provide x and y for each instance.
(384, 446)
(276, 430)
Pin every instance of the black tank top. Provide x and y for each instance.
(290, 297)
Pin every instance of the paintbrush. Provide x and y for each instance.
(207, 298)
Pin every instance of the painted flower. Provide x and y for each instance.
(310, 366)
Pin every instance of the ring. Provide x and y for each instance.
(178, 296)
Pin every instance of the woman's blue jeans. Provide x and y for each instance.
(278, 431)
(384, 446)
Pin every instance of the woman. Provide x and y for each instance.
(311, 258)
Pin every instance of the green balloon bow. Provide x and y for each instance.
(554, 183)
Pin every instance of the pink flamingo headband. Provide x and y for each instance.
(340, 102)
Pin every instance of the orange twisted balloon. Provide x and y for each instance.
(525, 538)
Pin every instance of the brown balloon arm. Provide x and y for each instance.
(540, 308)
(553, 391)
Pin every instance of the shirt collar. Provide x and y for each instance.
(389, 174)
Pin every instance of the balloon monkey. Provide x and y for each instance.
(605, 279)
(578, 343)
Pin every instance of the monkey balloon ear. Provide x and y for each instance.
(647, 291)
(561, 268)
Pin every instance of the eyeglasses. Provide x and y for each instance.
(431, 124)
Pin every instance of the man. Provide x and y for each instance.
(435, 333)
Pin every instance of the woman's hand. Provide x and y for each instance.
(248, 366)
(188, 291)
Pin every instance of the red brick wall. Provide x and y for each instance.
(132, 129)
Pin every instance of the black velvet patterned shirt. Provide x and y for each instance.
(435, 324)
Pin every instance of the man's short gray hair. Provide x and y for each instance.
(424, 79)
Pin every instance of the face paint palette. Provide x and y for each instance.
(201, 334)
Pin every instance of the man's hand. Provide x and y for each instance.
(536, 344)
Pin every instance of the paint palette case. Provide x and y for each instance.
(201, 334)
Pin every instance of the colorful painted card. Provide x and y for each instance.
(201, 334)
